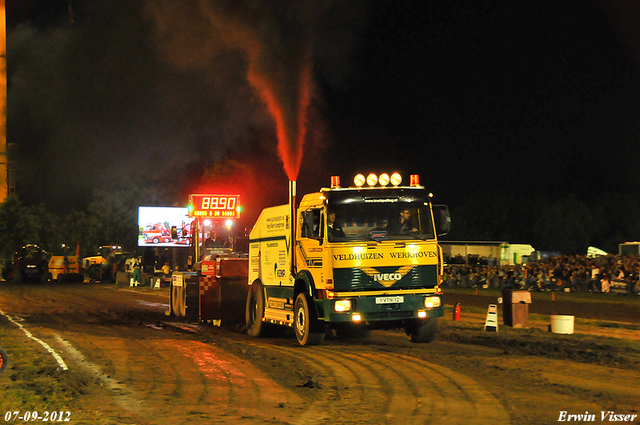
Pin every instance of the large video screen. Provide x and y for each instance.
(155, 223)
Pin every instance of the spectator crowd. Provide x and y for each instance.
(607, 273)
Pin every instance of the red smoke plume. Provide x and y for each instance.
(276, 39)
(290, 113)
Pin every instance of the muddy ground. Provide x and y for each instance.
(130, 363)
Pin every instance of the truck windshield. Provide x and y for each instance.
(362, 221)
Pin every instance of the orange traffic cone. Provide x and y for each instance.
(553, 296)
(476, 290)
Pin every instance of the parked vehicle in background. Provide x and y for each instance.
(93, 266)
(64, 268)
(29, 263)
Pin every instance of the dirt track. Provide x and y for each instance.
(131, 364)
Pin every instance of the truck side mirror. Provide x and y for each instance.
(442, 218)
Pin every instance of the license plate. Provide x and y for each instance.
(389, 300)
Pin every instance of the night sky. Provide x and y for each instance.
(509, 96)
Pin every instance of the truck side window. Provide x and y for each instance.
(311, 224)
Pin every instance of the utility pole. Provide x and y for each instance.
(4, 158)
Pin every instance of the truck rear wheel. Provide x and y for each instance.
(423, 330)
(255, 311)
(308, 330)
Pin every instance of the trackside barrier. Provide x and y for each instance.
(491, 323)
(515, 308)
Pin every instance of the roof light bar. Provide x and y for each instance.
(384, 179)
(396, 179)
(373, 179)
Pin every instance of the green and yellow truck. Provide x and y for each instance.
(349, 259)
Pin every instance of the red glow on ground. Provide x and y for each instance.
(208, 361)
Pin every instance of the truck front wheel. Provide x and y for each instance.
(423, 330)
(308, 330)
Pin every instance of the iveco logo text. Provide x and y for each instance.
(386, 276)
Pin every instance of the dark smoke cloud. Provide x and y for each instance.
(133, 91)
(278, 41)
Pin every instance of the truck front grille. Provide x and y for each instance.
(354, 279)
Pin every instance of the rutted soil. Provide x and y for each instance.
(129, 363)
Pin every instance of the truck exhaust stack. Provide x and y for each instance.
(292, 209)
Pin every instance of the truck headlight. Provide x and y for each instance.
(431, 302)
(341, 306)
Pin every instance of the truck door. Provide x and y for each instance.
(310, 249)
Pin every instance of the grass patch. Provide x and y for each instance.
(33, 381)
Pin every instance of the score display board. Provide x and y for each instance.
(214, 206)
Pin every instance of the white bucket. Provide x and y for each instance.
(562, 324)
